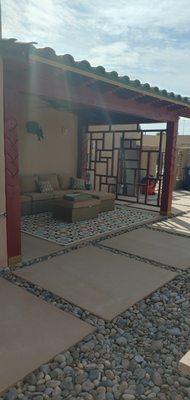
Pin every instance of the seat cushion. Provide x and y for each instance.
(102, 195)
(58, 194)
(28, 183)
(64, 181)
(52, 178)
(25, 199)
(42, 196)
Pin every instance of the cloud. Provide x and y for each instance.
(108, 55)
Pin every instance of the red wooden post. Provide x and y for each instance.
(82, 149)
(169, 168)
(12, 180)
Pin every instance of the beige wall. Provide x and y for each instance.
(183, 141)
(182, 155)
(182, 161)
(153, 141)
(57, 152)
(3, 235)
(150, 141)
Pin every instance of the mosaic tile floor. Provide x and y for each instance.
(45, 226)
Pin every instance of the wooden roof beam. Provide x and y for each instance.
(161, 103)
(145, 99)
(176, 107)
(87, 96)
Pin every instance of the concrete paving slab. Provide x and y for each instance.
(184, 364)
(179, 209)
(145, 207)
(181, 198)
(158, 246)
(31, 332)
(33, 247)
(97, 280)
(139, 206)
(180, 224)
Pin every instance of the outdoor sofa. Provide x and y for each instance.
(33, 201)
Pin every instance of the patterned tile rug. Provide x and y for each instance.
(45, 226)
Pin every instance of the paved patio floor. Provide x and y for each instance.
(154, 245)
(44, 226)
(104, 283)
(181, 201)
(33, 247)
(32, 332)
(179, 225)
(97, 280)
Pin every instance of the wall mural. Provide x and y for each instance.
(34, 128)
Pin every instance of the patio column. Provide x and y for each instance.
(82, 149)
(169, 168)
(3, 232)
(12, 190)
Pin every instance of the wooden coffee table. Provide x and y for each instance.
(76, 207)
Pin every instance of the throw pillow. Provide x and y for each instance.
(52, 178)
(77, 183)
(64, 181)
(45, 187)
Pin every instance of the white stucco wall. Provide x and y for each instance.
(3, 235)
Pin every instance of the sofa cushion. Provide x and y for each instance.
(58, 194)
(102, 195)
(42, 196)
(28, 183)
(77, 183)
(45, 187)
(25, 199)
(52, 178)
(64, 181)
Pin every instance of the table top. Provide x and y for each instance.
(77, 203)
(77, 196)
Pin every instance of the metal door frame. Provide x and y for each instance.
(91, 164)
(159, 174)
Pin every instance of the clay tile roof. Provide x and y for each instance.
(13, 47)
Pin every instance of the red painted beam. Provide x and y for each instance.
(12, 189)
(169, 168)
(46, 84)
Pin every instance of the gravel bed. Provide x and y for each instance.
(133, 357)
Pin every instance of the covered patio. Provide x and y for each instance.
(81, 106)
(112, 279)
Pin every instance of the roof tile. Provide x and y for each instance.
(13, 46)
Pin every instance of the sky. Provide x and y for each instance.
(144, 39)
